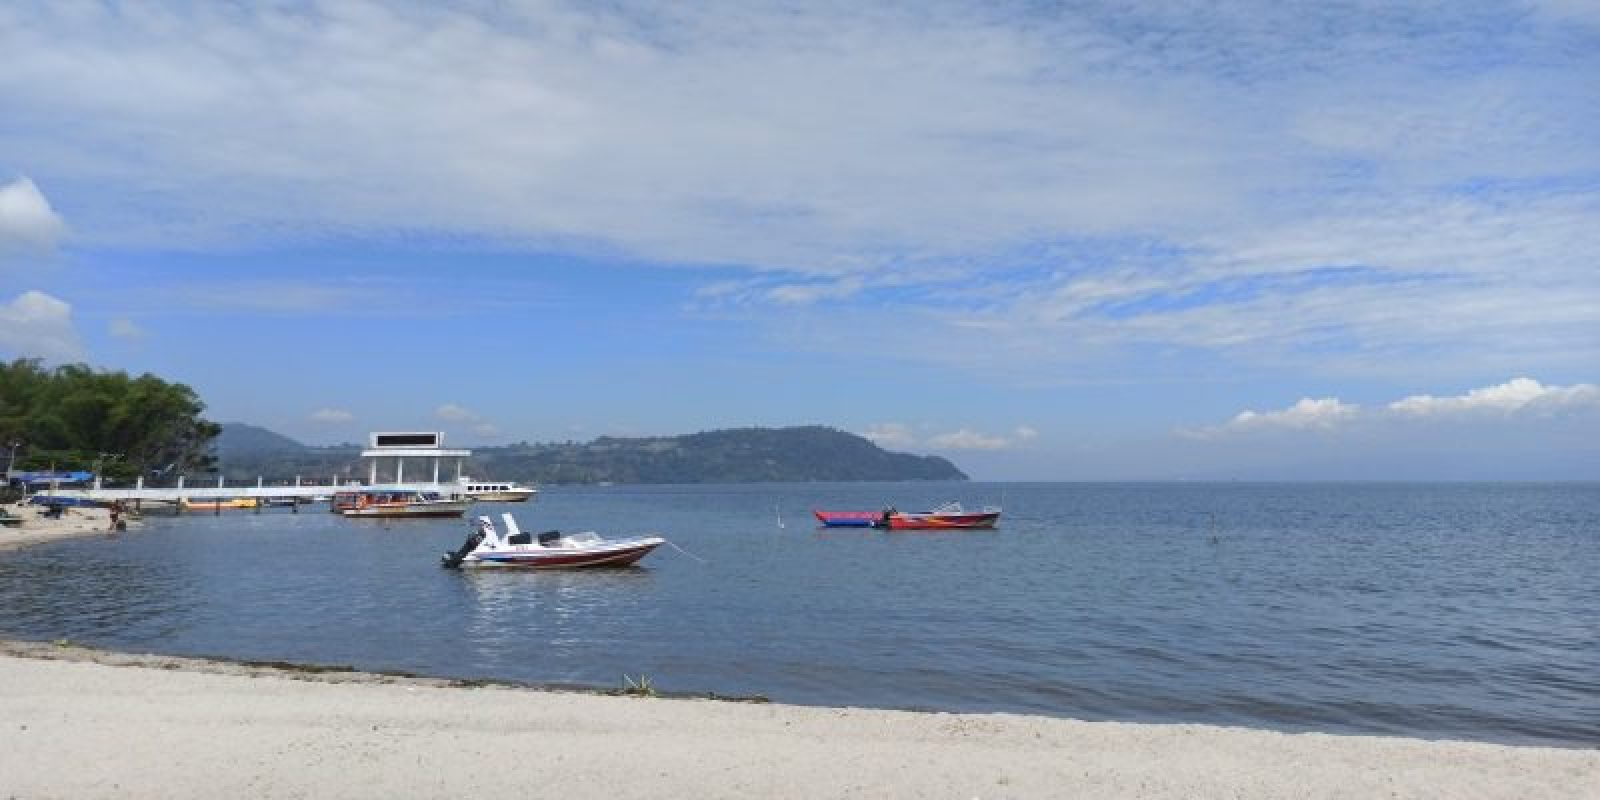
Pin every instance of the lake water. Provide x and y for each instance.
(1448, 611)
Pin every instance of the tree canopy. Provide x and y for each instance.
(77, 417)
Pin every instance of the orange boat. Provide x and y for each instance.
(950, 516)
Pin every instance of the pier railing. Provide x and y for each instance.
(213, 487)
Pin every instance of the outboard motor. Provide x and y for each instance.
(480, 532)
(453, 560)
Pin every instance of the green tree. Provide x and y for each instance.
(82, 418)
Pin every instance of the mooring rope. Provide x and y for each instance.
(674, 546)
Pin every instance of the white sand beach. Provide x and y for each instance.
(83, 723)
(37, 527)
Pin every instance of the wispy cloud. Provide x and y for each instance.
(454, 413)
(898, 435)
(450, 412)
(332, 416)
(36, 325)
(966, 439)
(124, 328)
(890, 434)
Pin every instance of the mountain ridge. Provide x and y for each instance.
(728, 455)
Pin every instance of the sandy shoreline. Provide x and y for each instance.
(40, 529)
(84, 723)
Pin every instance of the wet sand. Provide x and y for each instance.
(76, 722)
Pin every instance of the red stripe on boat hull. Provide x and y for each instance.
(618, 558)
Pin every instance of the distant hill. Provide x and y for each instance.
(743, 455)
(239, 439)
(245, 452)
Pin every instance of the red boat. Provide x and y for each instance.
(950, 516)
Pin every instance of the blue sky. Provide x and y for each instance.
(1069, 241)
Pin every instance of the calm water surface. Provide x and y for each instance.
(1455, 611)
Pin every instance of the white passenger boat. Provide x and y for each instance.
(497, 491)
(485, 547)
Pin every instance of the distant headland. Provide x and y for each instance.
(739, 455)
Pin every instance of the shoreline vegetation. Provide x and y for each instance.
(186, 727)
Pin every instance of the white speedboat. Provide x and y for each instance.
(485, 547)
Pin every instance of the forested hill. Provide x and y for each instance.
(744, 455)
(811, 453)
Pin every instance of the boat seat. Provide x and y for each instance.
(522, 538)
(549, 537)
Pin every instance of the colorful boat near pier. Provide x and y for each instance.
(379, 502)
(217, 503)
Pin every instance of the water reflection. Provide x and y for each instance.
(557, 613)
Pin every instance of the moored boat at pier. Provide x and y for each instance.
(396, 503)
(217, 503)
(497, 491)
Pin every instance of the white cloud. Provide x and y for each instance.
(801, 294)
(894, 434)
(124, 328)
(965, 439)
(27, 222)
(890, 434)
(1307, 414)
(1514, 396)
(1135, 156)
(36, 325)
(450, 412)
(332, 416)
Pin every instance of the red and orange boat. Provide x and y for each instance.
(950, 516)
